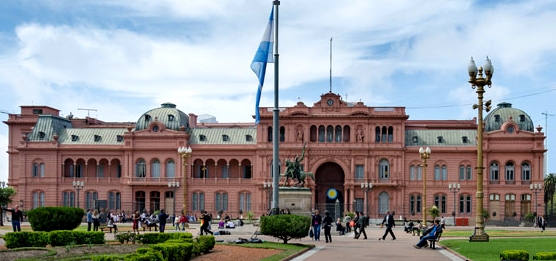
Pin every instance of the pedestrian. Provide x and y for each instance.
(389, 220)
(89, 219)
(354, 222)
(442, 222)
(183, 220)
(316, 222)
(17, 217)
(96, 220)
(543, 224)
(436, 228)
(176, 221)
(361, 224)
(347, 220)
(135, 221)
(327, 223)
(205, 223)
(162, 216)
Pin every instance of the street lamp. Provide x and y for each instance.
(425, 154)
(536, 188)
(78, 185)
(454, 188)
(174, 186)
(267, 186)
(184, 153)
(479, 82)
(2, 213)
(367, 186)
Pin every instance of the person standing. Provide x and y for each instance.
(17, 217)
(362, 223)
(96, 220)
(205, 223)
(162, 216)
(389, 220)
(316, 222)
(327, 223)
(89, 219)
(355, 222)
(135, 221)
(442, 222)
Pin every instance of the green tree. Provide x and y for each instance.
(285, 227)
(55, 218)
(549, 190)
(6, 195)
(434, 212)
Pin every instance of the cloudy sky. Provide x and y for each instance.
(123, 58)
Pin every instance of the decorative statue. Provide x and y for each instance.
(293, 170)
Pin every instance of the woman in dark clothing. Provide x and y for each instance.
(327, 223)
(316, 221)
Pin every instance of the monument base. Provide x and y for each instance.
(297, 200)
(479, 238)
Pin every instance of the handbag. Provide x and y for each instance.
(311, 234)
(352, 223)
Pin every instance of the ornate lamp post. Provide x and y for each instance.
(174, 186)
(479, 82)
(78, 185)
(267, 187)
(425, 154)
(536, 188)
(367, 186)
(454, 188)
(184, 153)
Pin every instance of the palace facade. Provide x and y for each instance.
(128, 166)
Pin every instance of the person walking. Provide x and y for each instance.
(205, 223)
(135, 221)
(389, 220)
(316, 222)
(327, 223)
(162, 216)
(355, 221)
(89, 219)
(17, 217)
(361, 224)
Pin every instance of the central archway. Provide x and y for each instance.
(329, 179)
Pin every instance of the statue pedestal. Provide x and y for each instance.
(297, 200)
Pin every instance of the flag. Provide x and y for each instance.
(263, 56)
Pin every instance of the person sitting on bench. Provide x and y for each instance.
(112, 225)
(431, 235)
(230, 224)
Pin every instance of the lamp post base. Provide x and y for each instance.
(479, 238)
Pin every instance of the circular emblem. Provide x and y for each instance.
(332, 193)
(330, 102)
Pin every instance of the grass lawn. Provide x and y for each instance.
(500, 233)
(289, 249)
(486, 251)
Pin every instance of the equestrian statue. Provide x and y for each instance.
(293, 170)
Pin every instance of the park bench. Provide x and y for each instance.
(432, 242)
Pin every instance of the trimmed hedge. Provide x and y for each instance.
(155, 238)
(545, 256)
(174, 251)
(145, 254)
(54, 238)
(514, 255)
(55, 218)
(26, 239)
(285, 227)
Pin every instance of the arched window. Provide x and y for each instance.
(436, 172)
(313, 133)
(384, 169)
(155, 168)
(390, 134)
(140, 201)
(338, 134)
(510, 176)
(377, 134)
(525, 172)
(440, 202)
(419, 172)
(384, 134)
(269, 134)
(245, 201)
(494, 171)
(38, 170)
(321, 133)
(282, 134)
(329, 133)
(140, 169)
(444, 172)
(170, 168)
(221, 201)
(412, 174)
(347, 133)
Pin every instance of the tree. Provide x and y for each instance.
(549, 190)
(6, 195)
(434, 212)
(285, 227)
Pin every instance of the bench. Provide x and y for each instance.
(432, 242)
(102, 227)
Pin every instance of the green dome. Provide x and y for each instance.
(496, 118)
(171, 117)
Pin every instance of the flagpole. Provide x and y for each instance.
(275, 116)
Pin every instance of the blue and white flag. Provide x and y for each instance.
(263, 56)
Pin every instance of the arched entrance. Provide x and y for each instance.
(329, 179)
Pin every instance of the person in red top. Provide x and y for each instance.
(135, 221)
(183, 220)
(17, 217)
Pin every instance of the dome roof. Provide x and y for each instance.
(167, 114)
(496, 118)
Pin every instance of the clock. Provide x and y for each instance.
(330, 102)
(510, 129)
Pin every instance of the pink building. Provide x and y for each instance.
(129, 165)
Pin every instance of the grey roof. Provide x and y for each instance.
(440, 137)
(47, 126)
(216, 135)
(496, 118)
(103, 136)
(168, 114)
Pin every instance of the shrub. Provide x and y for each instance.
(514, 255)
(55, 218)
(105, 258)
(205, 243)
(26, 239)
(545, 256)
(61, 238)
(174, 251)
(285, 227)
(89, 237)
(145, 254)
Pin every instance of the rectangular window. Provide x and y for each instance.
(444, 173)
(100, 171)
(90, 199)
(437, 172)
(469, 173)
(359, 171)
(461, 172)
(358, 204)
(68, 199)
(225, 171)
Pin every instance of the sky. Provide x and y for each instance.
(122, 58)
